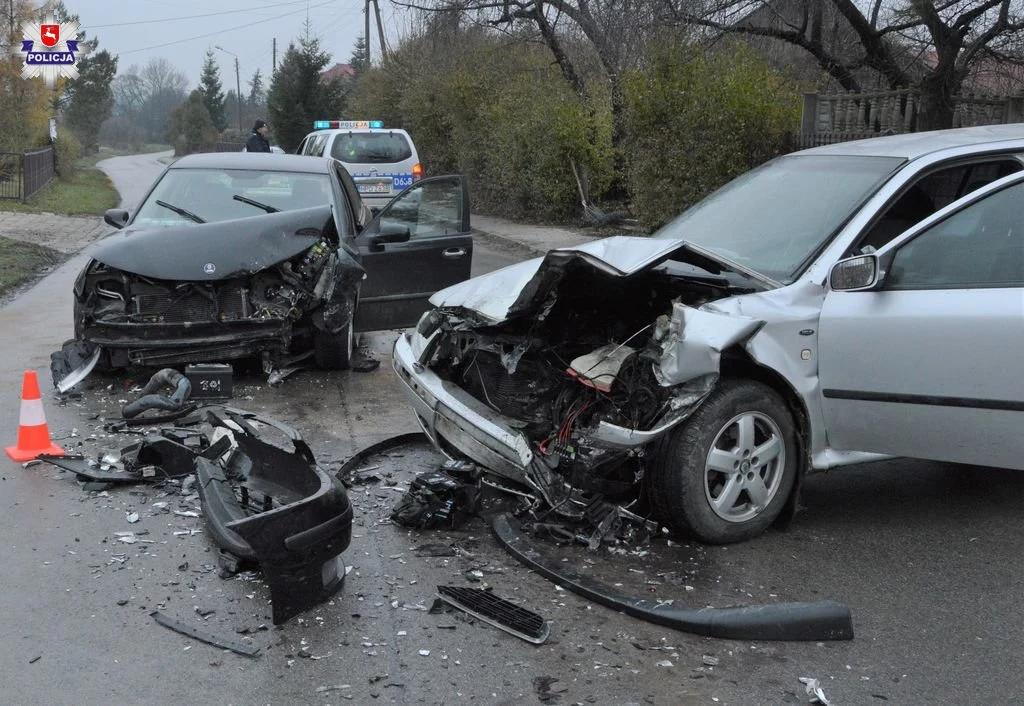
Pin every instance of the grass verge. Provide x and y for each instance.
(23, 262)
(89, 193)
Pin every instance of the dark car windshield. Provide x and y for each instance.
(209, 194)
(772, 218)
(371, 147)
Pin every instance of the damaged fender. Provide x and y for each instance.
(692, 341)
(337, 288)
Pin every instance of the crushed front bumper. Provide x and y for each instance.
(179, 343)
(274, 507)
(453, 419)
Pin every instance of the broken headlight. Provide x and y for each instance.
(429, 323)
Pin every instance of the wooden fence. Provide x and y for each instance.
(831, 118)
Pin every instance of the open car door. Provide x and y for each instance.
(419, 243)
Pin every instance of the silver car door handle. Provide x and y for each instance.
(454, 252)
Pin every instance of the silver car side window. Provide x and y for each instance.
(980, 246)
(931, 193)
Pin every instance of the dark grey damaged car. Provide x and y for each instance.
(274, 256)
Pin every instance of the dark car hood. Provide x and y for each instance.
(213, 251)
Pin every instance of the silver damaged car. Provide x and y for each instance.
(837, 305)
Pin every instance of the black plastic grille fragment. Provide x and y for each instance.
(496, 611)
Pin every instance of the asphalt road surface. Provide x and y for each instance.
(924, 554)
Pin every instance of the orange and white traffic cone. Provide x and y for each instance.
(33, 434)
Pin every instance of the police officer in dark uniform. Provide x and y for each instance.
(257, 141)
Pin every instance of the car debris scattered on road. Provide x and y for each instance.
(813, 688)
(502, 614)
(149, 399)
(275, 508)
(192, 631)
(265, 505)
(823, 620)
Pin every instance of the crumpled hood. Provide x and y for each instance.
(213, 251)
(498, 294)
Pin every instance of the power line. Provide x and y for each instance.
(220, 32)
(192, 17)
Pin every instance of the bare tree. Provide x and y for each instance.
(931, 45)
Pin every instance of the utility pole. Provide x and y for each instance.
(238, 94)
(238, 84)
(274, 70)
(366, 31)
(380, 33)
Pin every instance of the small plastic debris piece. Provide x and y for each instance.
(178, 626)
(710, 660)
(666, 663)
(814, 690)
(132, 517)
(424, 653)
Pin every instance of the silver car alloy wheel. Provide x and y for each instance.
(744, 468)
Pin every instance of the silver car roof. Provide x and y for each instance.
(919, 144)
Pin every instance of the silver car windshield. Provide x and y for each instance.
(209, 194)
(773, 218)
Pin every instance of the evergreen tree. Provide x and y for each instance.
(297, 96)
(90, 98)
(257, 93)
(358, 59)
(213, 97)
(190, 128)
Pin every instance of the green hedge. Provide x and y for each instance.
(500, 113)
(66, 151)
(496, 107)
(695, 122)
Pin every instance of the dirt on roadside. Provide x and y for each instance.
(23, 263)
(33, 244)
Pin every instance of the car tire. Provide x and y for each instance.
(333, 351)
(708, 480)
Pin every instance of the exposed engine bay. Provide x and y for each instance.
(143, 312)
(582, 355)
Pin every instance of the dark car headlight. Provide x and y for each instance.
(79, 288)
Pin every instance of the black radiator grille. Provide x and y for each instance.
(225, 304)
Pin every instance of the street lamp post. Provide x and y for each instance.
(238, 84)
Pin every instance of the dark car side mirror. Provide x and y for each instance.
(116, 217)
(390, 233)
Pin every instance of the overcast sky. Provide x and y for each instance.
(182, 30)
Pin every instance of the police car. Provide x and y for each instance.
(382, 161)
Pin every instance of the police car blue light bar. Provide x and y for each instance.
(347, 124)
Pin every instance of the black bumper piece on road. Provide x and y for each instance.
(824, 620)
(274, 507)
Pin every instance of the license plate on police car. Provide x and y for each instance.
(380, 187)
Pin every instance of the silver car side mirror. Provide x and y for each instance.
(855, 274)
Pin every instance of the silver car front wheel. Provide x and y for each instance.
(744, 468)
(725, 474)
